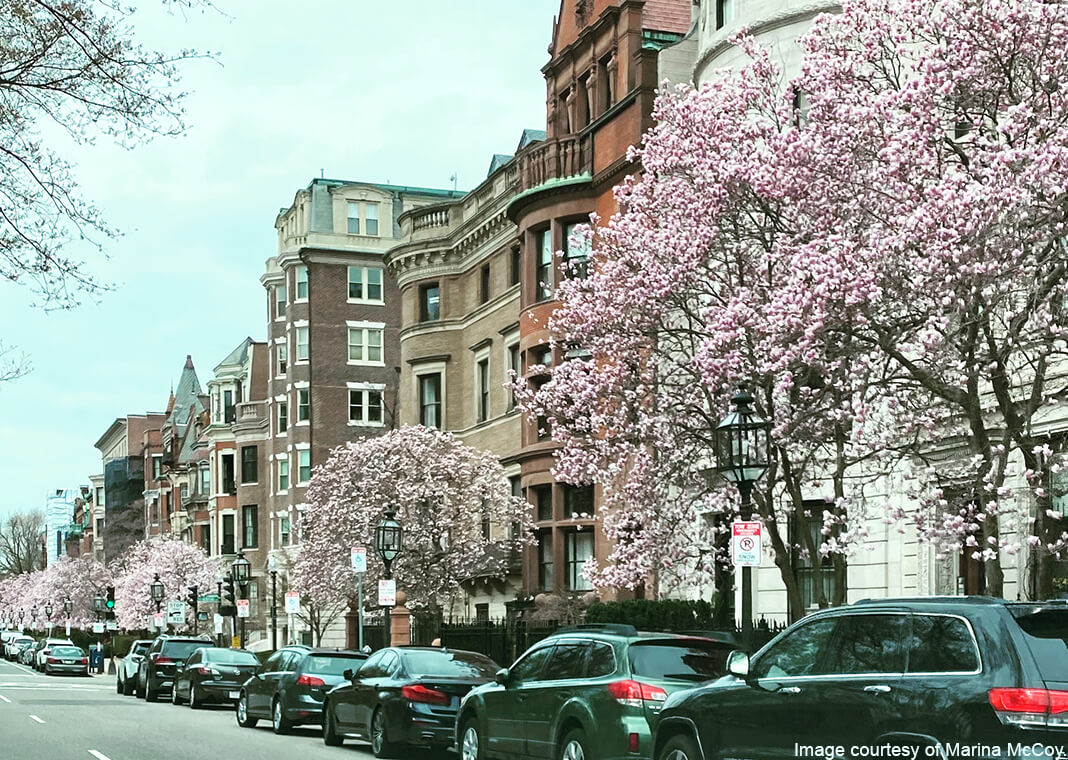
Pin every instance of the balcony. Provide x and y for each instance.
(431, 222)
(556, 158)
(251, 411)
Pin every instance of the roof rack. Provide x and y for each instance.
(933, 600)
(617, 629)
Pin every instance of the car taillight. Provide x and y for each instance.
(1030, 707)
(425, 695)
(52, 659)
(84, 661)
(307, 680)
(207, 671)
(635, 693)
(164, 661)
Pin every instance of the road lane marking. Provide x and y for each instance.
(34, 717)
(98, 755)
(5, 699)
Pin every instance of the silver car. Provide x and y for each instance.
(126, 673)
(64, 659)
(15, 644)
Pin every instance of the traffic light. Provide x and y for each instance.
(109, 603)
(227, 603)
(192, 598)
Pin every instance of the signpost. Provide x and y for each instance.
(158, 620)
(243, 608)
(292, 608)
(359, 566)
(175, 613)
(113, 625)
(746, 538)
(387, 592)
(98, 627)
(218, 624)
(208, 599)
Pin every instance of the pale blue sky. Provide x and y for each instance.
(407, 91)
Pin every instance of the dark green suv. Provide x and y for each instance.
(587, 691)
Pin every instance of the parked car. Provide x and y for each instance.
(155, 672)
(7, 635)
(288, 689)
(15, 644)
(64, 659)
(213, 674)
(923, 674)
(586, 690)
(404, 697)
(44, 648)
(126, 673)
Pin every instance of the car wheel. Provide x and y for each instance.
(380, 743)
(680, 747)
(243, 718)
(119, 688)
(278, 718)
(139, 690)
(331, 738)
(470, 741)
(576, 747)
(195, 700)
(150, 694)
(175, 699)
(128, 687)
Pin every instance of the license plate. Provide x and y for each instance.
(234, 694)
(68, 662)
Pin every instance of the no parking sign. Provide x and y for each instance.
(745, 543)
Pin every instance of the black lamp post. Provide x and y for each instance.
(33, 617)
(273, 570)
(743, 448)
(155, 590)
(389, 540)
(68, 607)
(241, 569)
(48, 612)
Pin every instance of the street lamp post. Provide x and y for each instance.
(155, 590)
(240, 569)
(389, 541)
(68, 607)
(273, 569)
(48, 616)
(743, 446)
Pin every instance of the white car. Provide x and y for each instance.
(14, 645)
(43, 652)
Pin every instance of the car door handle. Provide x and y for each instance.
(790, 690)
(878, 688)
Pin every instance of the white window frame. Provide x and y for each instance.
(281, 346)
(297, 327)
(283, 459)
(366, 328)
(297, 388)
(349, 208)
(281, 298)
(363, 388)
(362, 272)
(367, 218)
(482, 356)
(300, 276)
(512, 342)
(279, 400)
(303, 449)
(430, 368)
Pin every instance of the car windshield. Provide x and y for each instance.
(230, 657)
(180, 650)
(23, 640)
(450, 664)
(680, 659)
(67, 652)
(331, 664)
(1047, 635)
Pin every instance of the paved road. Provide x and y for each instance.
(71, 718)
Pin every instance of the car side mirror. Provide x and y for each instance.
(154, 656)
(738, 664)
(502, 676)
(348, 675)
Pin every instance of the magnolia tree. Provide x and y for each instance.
(77, 579)
(179, 566)
(442, 492)
(877, 247)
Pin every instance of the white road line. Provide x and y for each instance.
(34, 717)
(5, 699)
(98, 755)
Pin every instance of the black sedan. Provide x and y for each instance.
(212, 675)
(288, 688)
(403, 697)
(70, 660)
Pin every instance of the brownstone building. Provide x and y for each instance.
(600, 86)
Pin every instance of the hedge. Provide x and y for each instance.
(659, 614)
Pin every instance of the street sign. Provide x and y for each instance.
(175, 613)
(359, 559)
(745, 543)
(208, 598)
(218, 623)
(292, 602)
(387, 593)
(235, 642)
(113, 625)
(98, 627)
(157, 621)
(243, 608)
